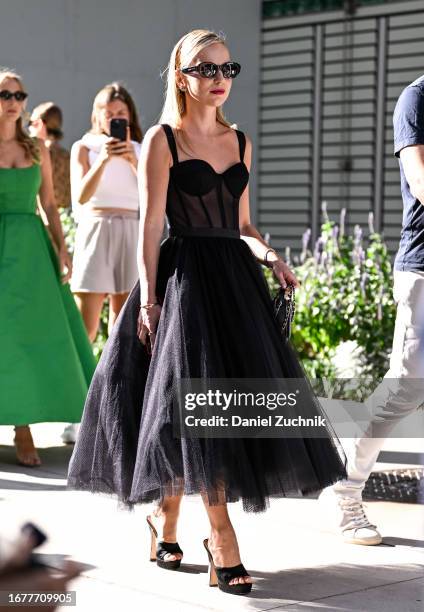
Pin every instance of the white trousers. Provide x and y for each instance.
(402, 389)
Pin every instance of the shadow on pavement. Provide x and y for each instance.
(338, 582)
(54, 465)
(191, 568)
(56, 561)
(17, 485)
(403, 542)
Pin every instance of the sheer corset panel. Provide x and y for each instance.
(199, 197)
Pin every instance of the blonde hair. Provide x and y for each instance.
(30, 145)
(108, 93)
(187, 47)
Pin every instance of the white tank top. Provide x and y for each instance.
(117, 187)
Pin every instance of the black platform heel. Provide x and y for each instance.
(159, 550)
(221, 576)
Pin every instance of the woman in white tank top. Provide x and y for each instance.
(106, 206)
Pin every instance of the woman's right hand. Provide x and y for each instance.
(147, 323)
(111, 147)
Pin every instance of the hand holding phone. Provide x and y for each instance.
(119, 142)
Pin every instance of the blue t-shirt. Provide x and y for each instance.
(408, 125)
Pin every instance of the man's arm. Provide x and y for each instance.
(412, 159)
(408, 132)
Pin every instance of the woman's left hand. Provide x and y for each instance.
(128, 151)
(125, 150)
(65, 261)
(284, 275)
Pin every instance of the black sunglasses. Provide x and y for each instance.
(19, 96)
(208, 69)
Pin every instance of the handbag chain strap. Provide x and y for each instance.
(290, 310)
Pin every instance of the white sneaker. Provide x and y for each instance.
(69, 435)
(351, 518)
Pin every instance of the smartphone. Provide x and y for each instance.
(118, 128)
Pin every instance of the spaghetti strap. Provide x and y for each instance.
(242, 143)
(171, 141)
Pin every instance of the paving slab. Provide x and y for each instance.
(406, 596)
(295, 557)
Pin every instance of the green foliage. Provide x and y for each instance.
(102, 333)
(69, 227)
(344, 308)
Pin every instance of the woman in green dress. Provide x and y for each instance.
(46, 360)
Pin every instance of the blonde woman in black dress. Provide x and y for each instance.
(203, 306)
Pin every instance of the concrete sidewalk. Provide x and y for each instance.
(296, 560)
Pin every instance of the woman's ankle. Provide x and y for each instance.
(225, 531)
(22, 430)
(168, 522)
(25, 449)
(225, 550)
(223, 538)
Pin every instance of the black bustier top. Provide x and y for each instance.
(200, 201)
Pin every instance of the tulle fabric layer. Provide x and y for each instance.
(217, 322)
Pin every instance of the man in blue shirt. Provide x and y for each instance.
(402, 389)
(408, 124)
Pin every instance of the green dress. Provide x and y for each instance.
(46, 360)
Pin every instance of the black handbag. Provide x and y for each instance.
(284, 308)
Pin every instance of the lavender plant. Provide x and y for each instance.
(345, 313)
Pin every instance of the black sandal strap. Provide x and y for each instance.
(225, 574)
(163, 548)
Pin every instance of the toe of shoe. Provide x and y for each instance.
(365, 536)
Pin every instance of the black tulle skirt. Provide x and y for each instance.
(216, 321)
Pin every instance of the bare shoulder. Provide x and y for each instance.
(155, 143)
(79, 151)
(155, 137)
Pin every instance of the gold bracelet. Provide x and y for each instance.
(149, 305)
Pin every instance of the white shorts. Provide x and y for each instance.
(105, 253)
